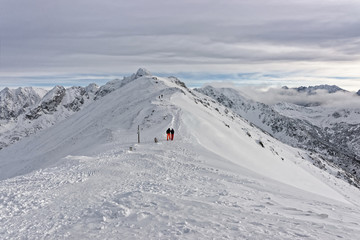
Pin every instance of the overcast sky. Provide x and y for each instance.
(250, 42)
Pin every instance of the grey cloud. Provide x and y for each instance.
(101, 35)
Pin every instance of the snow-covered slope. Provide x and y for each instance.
(221, 178)
(25, 111)
(330, 133)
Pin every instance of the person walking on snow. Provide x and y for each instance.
(172, 134)
(168, 134)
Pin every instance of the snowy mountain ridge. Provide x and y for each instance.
(13, 102)
(25, 111)
(86, 177)
(331, 132)
(36, 111)
(313, 89)
(115, 84)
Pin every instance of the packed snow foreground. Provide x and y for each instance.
(221, 177)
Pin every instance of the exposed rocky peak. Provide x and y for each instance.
(71, 99)
(358, 92)
(49, 103)
(53, 97)
(75, 98)
(14, 102)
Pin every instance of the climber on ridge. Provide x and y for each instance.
(168, 134)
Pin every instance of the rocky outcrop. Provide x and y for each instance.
(48, 104)
(14, 102)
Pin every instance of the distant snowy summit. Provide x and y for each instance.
(71, 99)
(313, 89)
(13, 102)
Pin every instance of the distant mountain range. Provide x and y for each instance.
(330, 134)
(94, 163)
(313, 89)
(25, 111)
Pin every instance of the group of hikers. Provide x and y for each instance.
(170, 134)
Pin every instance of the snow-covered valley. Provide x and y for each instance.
(221, 177)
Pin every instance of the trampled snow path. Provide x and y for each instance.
(162, 191)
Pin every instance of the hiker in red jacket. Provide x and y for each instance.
(168, 134)
(172, 134)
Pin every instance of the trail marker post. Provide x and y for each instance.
(138, 133)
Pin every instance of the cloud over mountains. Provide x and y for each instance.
(315, 40)
(303, 98)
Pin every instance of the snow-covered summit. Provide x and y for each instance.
(141, 72)
(117, 83)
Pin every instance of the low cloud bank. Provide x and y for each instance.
(322, 97)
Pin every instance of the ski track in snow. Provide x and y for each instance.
(134, 195)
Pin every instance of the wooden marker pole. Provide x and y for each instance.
(138, 133)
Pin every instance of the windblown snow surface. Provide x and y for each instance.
(79, 179)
